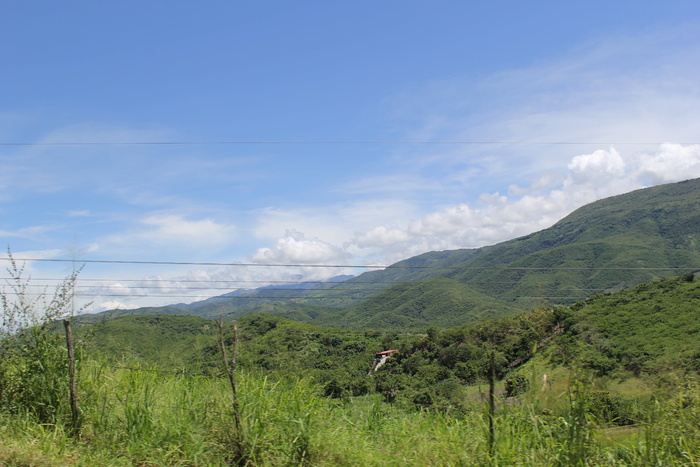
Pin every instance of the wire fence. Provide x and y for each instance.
(354, 290)
(635, 425)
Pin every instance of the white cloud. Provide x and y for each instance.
(333, 222)
(629, 90)
(80, 213)
(599, 166)
(445, 222)
(381, 236)
(492, 198)
(492, 218)
(165, 229)
(295, 248)
(33, 254)
(590, 177)
(176, 229)
(110, 305)
(323, 221)
(28, 232)
(617, 89)
(672, 163)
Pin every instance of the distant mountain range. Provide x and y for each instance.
(611, 244)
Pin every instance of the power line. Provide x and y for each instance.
(314, 290)
(174, 283)
(292, 143)
(236, 281)
(310, 297)
(356, 266)
(188, 263)
(332, 287)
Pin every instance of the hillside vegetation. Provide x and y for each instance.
(612, 380)
(650, 330)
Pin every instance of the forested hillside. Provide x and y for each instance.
(652, 328)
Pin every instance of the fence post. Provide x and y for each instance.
(492, 404)
(74, 410)
(239, 456)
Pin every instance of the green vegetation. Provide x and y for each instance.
(612, 380)
(653, 329)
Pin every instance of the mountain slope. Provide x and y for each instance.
(611, 244)
(649, 329)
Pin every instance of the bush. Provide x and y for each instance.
(33, 358)
(516, 385)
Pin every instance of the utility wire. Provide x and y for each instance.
(353, 266)
(314, 290)
(186, 263)
(251, 143)
(234, 281)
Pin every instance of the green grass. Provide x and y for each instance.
(146, 417)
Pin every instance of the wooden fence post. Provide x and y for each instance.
(239, 454)
(492, 404)
(74, 410)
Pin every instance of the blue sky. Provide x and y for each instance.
(324, 132)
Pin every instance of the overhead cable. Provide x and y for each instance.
(292, 143)
(354, 266)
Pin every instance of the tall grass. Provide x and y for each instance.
(144, 416)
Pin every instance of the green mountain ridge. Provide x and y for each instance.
(611, 244)
(608, 245)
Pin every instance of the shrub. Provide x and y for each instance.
(516, 385)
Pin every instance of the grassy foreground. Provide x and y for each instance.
(150, 417)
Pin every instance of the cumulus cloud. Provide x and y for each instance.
(490, 218)
(171, 228)
(381, 236)
(602, 163)
(589, 177)
(445, 222)
(673, 162)
(295, 248)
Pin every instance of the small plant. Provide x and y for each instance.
(576, 433)
(516, 385)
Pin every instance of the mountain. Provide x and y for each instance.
(248, 298)
(649, 331)
(611, 244)
(608, 245)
